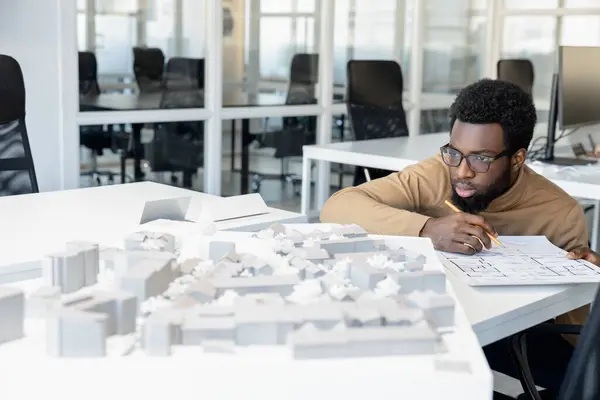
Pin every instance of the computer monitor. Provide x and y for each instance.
(574, 97)
(579, 86)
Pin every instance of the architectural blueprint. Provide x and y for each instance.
(524, 260)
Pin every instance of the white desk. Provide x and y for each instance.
(37, 224)
(495, 313)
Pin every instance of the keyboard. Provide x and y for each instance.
(516, 266)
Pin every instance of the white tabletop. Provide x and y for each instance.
(494, 312)
(398, 153)
(40, 223)
(37, 224)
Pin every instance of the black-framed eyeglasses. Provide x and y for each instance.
(477, 162)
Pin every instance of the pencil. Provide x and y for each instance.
(453, 207)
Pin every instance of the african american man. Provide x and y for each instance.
(482, 171)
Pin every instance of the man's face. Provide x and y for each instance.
(472, 192)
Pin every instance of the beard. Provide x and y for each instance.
(480, 201)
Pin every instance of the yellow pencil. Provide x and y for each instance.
(492, 237)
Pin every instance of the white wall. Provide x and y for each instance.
(34, 32)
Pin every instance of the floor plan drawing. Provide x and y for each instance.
(529, 260)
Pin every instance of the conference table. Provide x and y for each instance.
(494, 312)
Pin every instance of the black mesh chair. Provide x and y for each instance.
(374, 101)
(582, 379)
(96, 138)
(184, 74)
(296, 131)
(148, 68)
(517, 71)
(88, 74)
(17, 171)
(178, 146)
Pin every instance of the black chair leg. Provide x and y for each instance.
(518, 348)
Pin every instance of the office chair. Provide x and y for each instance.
(178, 146)
(88, 74)
(17, 171)
(184, 74)
(517, 71)
(148, 68)
(374, 102)
(582, 379)
(296, 131)
(97, 138)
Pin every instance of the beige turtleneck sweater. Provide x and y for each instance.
(402, 202)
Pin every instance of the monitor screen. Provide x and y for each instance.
(579, 85)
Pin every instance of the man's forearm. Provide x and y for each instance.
(350, 206)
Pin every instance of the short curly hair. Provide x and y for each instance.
(490, 101)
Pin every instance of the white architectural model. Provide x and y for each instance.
(323, 294)
(339, 293)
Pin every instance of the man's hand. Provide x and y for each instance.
(459, 233)
(584, 254)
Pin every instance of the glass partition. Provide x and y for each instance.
(270, 49)
(453, 45)
(136, 55)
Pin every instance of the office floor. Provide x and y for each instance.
(275, 193)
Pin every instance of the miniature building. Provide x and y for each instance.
(123, 261)
(91, 259)
(121, 309)
(351, 231)
(218, 249)
(12, 313)
(155, 241)
(358, 244)
(312, 254)
(42, 301)
(195, 329)
(364, 342)
(365, 277)
(159, 332)
(283, 284)
(79, 327)
(75, 333)
(438, 308)
(72, 269)
(262, 325)
(411, 281)
(146, 277)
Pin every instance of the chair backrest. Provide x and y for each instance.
(304, 74)
(374, 99)
(148, 67)
(517, 71)
(582, 380)
(184, 74)
(17, 172)
(88, 74)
